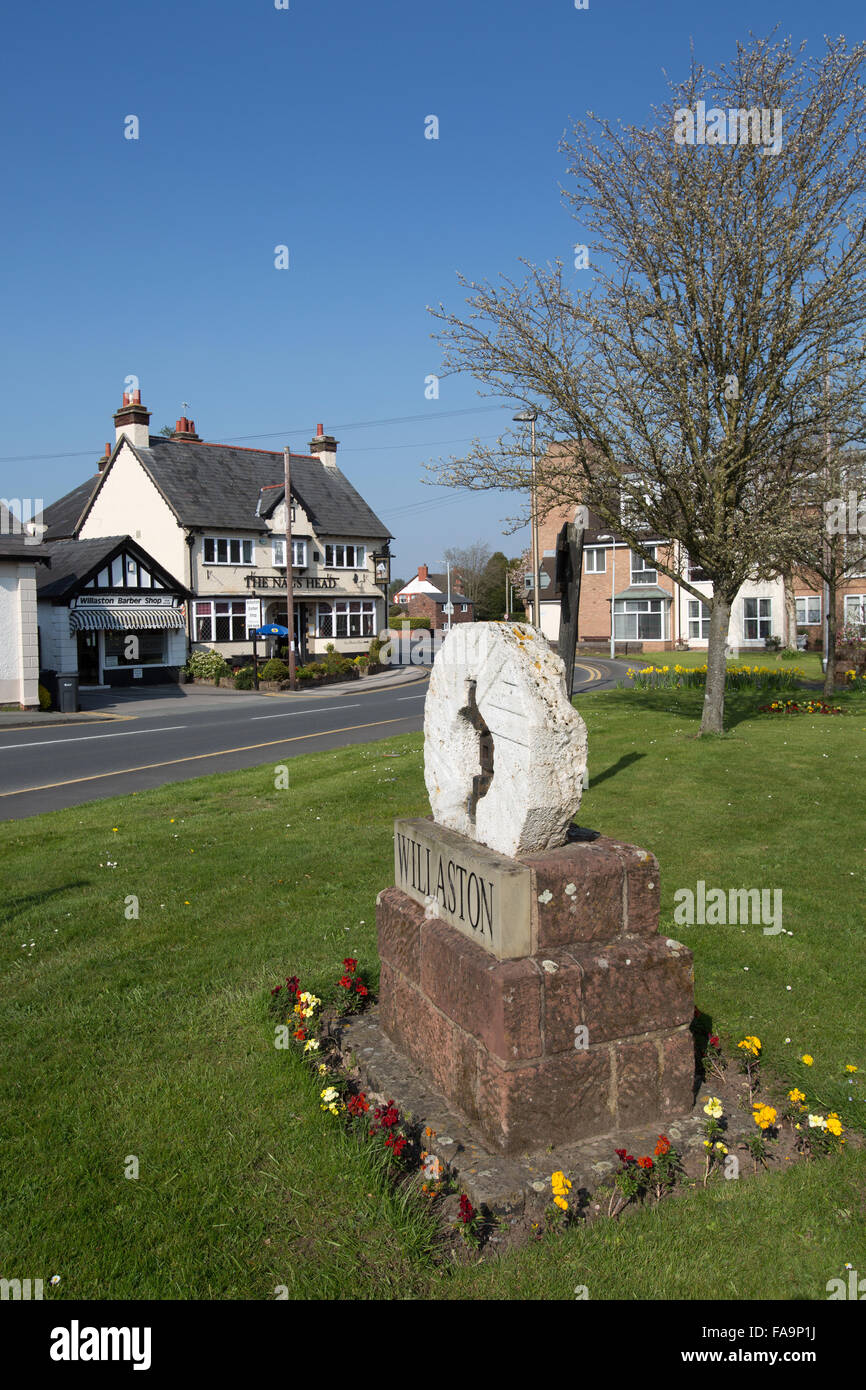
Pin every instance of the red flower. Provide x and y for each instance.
(645, 1162)
(620, 1153)
(467, 1211)
(301, 1034)
(714, 1040)
(346, 982)
(277, 990)
(350, 964)
(663, 1146)
(396, 1143)
(386, 1115)
(360, 988)
(293, 986)
(358, 1105)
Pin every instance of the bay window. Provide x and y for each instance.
(639, 620)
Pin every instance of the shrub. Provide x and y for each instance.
(375, 648)
(245, 679)
(275, 670)
(208, 666)
(400, 618)
(44, 698)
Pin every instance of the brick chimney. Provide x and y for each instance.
(101, 463)
(422, 572)
(185, 429)
(324, 447)
(133, 420)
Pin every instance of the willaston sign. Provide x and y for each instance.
(482, 894)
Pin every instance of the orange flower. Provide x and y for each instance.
(663, 1146)
(645, 1162)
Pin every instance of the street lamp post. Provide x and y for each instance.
(612, 540)
(529, 417)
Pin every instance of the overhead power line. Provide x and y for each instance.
(282, 433)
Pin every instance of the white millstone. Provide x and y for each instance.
(502, 678)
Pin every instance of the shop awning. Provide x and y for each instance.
(118, 618)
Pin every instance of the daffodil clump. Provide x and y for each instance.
(736, 677)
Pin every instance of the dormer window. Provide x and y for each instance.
(278, 553)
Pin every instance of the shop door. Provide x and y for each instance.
(88, 658)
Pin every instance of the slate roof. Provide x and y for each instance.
(12, 540)
(218, 486)
(61, 518)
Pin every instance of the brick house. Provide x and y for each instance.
(426, 596)
(655, 613)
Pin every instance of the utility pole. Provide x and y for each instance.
(290, 596)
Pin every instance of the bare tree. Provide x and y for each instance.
(470, 562)
(729, 255)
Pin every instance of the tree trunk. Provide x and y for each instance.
(790, 611)
(713, 718)
(830, 673)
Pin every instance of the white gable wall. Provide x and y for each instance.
(128, 503)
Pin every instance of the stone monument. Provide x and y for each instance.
(523, 975)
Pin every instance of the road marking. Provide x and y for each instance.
(291, 713)
(197, 757)
(592, 671)
(411, 697)
(86, 738)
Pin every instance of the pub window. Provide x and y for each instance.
(348, 557)
(325, 621)
(354, 618)
(227, 550)
(278, 553)
(757, 619)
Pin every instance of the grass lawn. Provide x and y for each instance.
(150, 1037)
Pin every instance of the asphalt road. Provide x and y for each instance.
(168, 734)
(168, 739)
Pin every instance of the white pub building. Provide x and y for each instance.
(198, 531)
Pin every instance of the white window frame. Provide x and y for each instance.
(336, 552)
(236, 614)
(278, 553)
(340, 614)
(596, 552)
(638, 608)
(699, 620)
(805, 604)
(246, 547)
(762, 618)
(640, 569)
(857, 603)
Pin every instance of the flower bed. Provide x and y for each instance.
(736, 677)
(799, 707)
(746, 1129)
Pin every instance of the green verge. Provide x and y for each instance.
(152, 1038)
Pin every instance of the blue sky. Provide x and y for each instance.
(302, 127)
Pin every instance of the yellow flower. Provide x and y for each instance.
(750, 1044)
(796, 1094)
(561, 1202)
(763, 1115)
(721, 1148)
(560, 1184)
(707, 1144)
(713, 1107)
(850, 1068)
(807, 1060)
(834, 1124)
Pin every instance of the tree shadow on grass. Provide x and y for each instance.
(619, 766)
(740, 705)
(27, 901)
